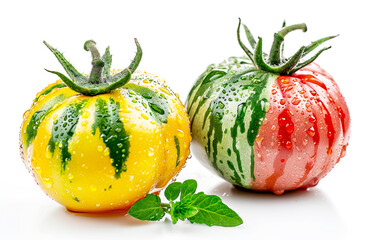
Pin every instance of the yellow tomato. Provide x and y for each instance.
(105, 152)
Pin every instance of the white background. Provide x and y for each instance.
(179, 40)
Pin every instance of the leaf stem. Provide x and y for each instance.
(165, 205)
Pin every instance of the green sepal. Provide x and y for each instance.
(283, 69)
(133, 65)
(107, 59)
(250, 37)
(70, 70)
(100, 81)
(246, 50)
(315, 44)
(275, 62)
(303, 64)
(89, 90)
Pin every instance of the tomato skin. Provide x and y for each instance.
(305, 132)
(267, 132)
(115, 148)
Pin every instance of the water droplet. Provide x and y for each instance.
(282, 121)
(48, 153)
(125, 110)
(218, 115)
(147, 96)
(343, 151)
(56, 106)
(84, 123)
(295, 101)
(329, 151)
(125, 120)
(311, 131)
(106, 152)
(38, 170)
(221, 105)
(305, 142)
(180, 133)
(144, 116)
(70, 176)
(85, 114)
(289, 128)
(156, 108)
(288, 145)
(259, 140)
(100, 148)
(273, 128)
(150, 152)
(25, 115)
(284, 80)
(312, 119)
(48, 182)
(274, 91)
(164, 90)
(282, 101)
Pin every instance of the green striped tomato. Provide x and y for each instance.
(105, 152)
(266, 130)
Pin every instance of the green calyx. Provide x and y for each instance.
(275, 62)
(100, 79)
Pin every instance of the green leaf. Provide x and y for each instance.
(172, 191)
(147, 208)
(197, 208)
(212, 211)
(183, 210)
(188, 187)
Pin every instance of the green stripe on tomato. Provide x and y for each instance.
(112, 131)
(38, 116)
(63, 130)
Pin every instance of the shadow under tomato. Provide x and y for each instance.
(69, 219)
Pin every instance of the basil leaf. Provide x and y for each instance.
(147, 208)
(188, 187)
(212, 211)
(172, 191)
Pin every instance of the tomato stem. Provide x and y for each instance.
(98, 64)
(100, 80)
(275, 62)
(279, 37)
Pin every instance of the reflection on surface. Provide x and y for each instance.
(294, 215)
(304, 214)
